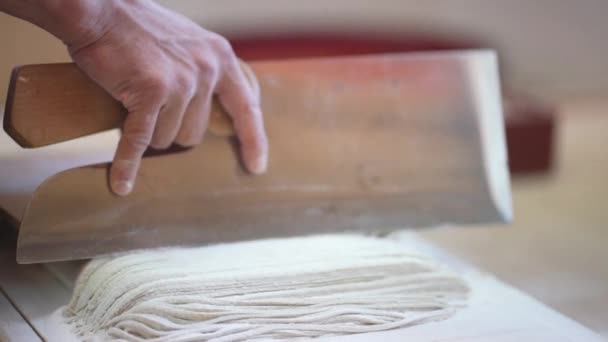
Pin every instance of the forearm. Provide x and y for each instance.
(73, 21)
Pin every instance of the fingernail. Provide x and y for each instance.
(122, 188)
(260, 164)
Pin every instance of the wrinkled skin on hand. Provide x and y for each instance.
(165, 69)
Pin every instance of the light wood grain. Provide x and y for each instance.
(36, 114)
(35, 292)
(357, 143)
(13, 328)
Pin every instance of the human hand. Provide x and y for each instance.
(165, 70)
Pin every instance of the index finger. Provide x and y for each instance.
(242, 102)
(137, 134)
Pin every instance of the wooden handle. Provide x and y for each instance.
(52, 103)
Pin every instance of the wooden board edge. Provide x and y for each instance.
(8, 109)
(13, 326)
(35, 292)
(492, 130)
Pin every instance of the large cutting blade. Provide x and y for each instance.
(369, 143)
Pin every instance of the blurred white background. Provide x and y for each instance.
(552, 48)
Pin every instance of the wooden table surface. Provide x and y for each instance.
(556, 250)
(495, 311)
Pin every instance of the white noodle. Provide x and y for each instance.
(269, 289)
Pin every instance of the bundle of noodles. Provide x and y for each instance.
(268, 289)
